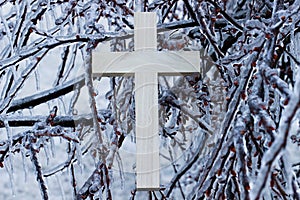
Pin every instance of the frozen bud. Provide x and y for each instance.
(75, 111)
(59, 21)
(43, 3)
(268, 35)
(285, 101)
(95, 93)
(93, 189)
(2, 34)
(11, 26)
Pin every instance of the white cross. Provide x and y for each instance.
(145, 63)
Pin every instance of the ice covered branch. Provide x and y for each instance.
(39, 175)
(280, 142)
(32, 141)
(186, 167)
(96, 183)
(199, 18)
(64, 121)
(47, 95)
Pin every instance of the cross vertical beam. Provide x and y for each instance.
(145, 32)
(147, 139)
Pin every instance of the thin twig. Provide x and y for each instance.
(186, 167)
(39, 175)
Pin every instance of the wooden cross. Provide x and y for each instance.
(145, 63)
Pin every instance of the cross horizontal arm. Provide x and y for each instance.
(169, 63)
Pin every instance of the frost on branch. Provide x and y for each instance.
(32, 141)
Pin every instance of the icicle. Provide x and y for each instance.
(74, 98)
(63, 196)
(79, 156)
(37, 79)
(111, 177)
(9, 167)
(266, 92)
(297, 49)
(277, 107)
(30, 110)
(292, 35)
(25, 167)
(121, 170)
(207, 114)
(62, 105)
(256, 124)
(47, 152)
(286, 159)
(52, 146)
(8, 130)
(10, 172)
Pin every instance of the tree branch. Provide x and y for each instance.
(186, 167)
(46, 95)
(64, 121)
(39, 175)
